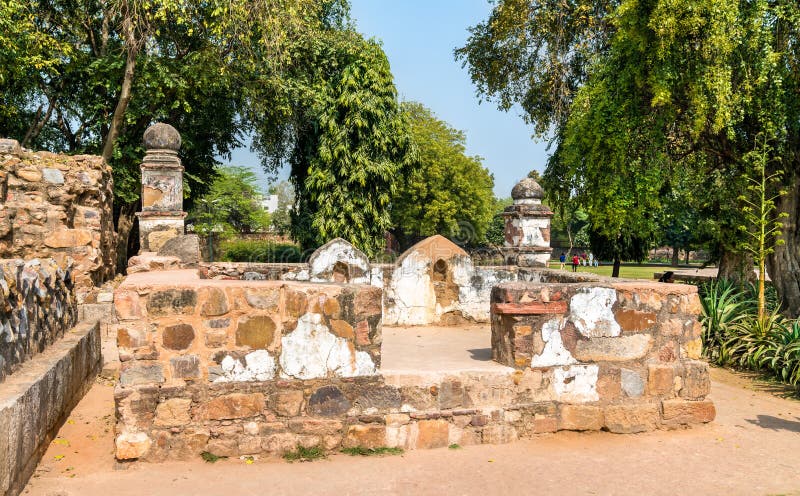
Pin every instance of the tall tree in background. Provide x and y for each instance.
(448, 192)
(231, 206)
(636, 90)
(348, 143)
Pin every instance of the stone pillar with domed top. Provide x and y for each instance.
(527, 226)
(162, 215)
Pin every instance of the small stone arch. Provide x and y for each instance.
(339, 261)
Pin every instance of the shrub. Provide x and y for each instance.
(241, 250)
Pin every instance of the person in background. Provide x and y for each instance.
(591, 259)
(563, 260)
(575, 262)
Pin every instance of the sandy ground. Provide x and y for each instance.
(751, 449)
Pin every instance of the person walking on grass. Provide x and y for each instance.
(576, 260)
(563, 260)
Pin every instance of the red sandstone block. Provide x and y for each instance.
(530, 308)
(688, 412)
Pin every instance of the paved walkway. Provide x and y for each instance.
(751, 449)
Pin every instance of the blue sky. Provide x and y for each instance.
(419, 36)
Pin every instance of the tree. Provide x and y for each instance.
(231, 206)
(617, 248)
(348, 142)
(496, 230)
(447, 192)
(282, 216)
(637, 90)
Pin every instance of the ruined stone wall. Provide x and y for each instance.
(36, 309)
(60, 207)
(188, 336)
(624, 356)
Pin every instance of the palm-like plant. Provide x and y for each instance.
(724, 304)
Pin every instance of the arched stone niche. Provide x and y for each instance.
(339, 261)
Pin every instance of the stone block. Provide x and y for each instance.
(130, 338)
(499, 434)
(328, 401)
(132, 445)
(177, 337)
(679, 411)
(223, 447)
(632, 383)
(287, 403)
(53, 176)
(342, 329)
(396, 419)
(256, 332)
(614, 349)
(184, 247)
(171, 302)
(173, 412)
(185, 367)
(694, 349)
(68, 238)
(263, 299)
(215, 302)
(432, 434)
(249, 445)
(134, 374)
(309, 425)
(451, 395)
(381, 398)
(365, 436)
(631, 418)
(235, 406)
(696, 381)
(660, 379)
(580, 418)
(542, 424)
(216, 338)
(635, 321)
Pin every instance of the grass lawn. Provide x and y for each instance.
(627, 271)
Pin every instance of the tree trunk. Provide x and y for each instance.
(687, 256)
(737, 267)
(125, 92)
(127, 215)
(783, 266)
(615, 270)
(675, 253)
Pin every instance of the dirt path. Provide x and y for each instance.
(751, 449)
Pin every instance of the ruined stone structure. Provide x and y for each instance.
(60, 207)
(37, 308)
(527, 226)
(620, 355)
(242, 367)
(162, 215)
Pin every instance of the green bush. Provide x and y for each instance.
(734, 335)
(241, 250)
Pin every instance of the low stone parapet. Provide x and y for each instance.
(36, 400)
(623, 356)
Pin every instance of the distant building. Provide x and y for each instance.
(270, 203)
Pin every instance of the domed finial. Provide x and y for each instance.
(162, 136)
(527, 189)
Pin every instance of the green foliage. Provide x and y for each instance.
(240, 250)
(211, 457)
(380, 451)
(635, 93)
(734, 334)
(231, 206)
(303, 454)
(495, 232)
(455, 446)
(447, 192)
(348, 141)
(282, 217)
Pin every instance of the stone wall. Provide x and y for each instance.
(433, 282)
(37, 308)
(36, 401)
(623, 355)
(180, 333)
(60, 207)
